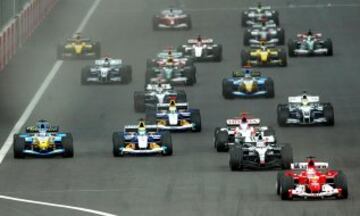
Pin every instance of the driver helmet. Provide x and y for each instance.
(247, 73)
(43, 125)
(141, 128)
(309, 33)
(159, 87)
(170, 61)
(199, 38)
(107, 62)
(304, 100)
(172, 106)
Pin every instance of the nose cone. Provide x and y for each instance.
(249, 86)
(78, 48)
(264, 56)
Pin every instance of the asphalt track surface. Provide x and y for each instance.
(196, 180)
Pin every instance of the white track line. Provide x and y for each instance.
(91, 211)
(40, 92)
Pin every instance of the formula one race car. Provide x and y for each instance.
(172, 18)
(256, 14)
(310, 44)
(155, 94)
(162, 58)
(173, 72)
(43, 140)
(106, 71)
(241, 127)
(79, 47)
(142, 139)
(305, 110)
(314, 180)
(264, 55)
(267, 32)
(247, 83)
(175, 117)
(202, 49)
(260, 155)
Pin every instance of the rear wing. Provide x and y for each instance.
(194, 41)
(165, 106)
(165, 54)
(242, 73)
(297, 99)
(262, 8)
(134, 128)
(304, 165)
(237, 121)
(165, 86)
(113, 62)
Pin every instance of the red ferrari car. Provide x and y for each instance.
(312, 180)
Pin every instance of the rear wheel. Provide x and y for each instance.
(275, 17)
(118, 142)
(218, 53)
(167, 143)
(188, 22)
(126, 74)
(227, 89)
(139, 101)
(181, 96)
(196, 120)
(67, 144)
(155, 23)
(97, 50)
(282, 115)
(286, 183)
(247, 37)
(60, 51)
(236, 158)
(286, 156)
(244, 19)
(84, 75)
(190, 74)
(328, 46)
(329, 115)
(245, 57)
(19, 146)
(280, 174)
(269, 86)
(341, 182)
(283, 58)
(281, 34)
(221, 141)
(292, 47)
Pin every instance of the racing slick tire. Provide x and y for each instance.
(236, 158)
(84, 75)
(328, 45)
(148, 75)
(155, 23)
(269, 86)
(286, 153)
(245, 57)
(216, 131)
(291, 48)
(218, 53)
(139, 101)
(221, 139)
(19, 146)
(286, 183)
(329, 114)
(167, 143)
(247, 37)
(126, 74)
(227, 89)
(281, 34)
(195, 118)
(97, 50)
(150, 64)
(279, 175)
(341, 182)
(190, 74)
(68, 146)
(283, 58)
(275, 18)
(244, 19)
(118, 142)
(282, 115)
(181, 96)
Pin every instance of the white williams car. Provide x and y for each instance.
(202, 49)
(305, 110)
(107, 71)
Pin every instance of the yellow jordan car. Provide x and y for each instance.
(264, 56)
(79, 47)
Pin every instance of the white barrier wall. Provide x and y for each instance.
(19, 29)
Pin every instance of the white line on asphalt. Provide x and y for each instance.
(40, 92)
(91, 211)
